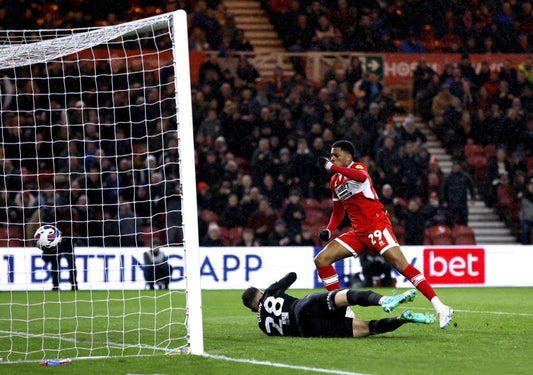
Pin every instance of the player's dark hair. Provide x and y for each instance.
(345, 145)
(249, 296)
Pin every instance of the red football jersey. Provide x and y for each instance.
(359, 199)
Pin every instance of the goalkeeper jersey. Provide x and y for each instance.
(275, 312)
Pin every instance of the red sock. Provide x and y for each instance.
(419, 281)
(329, 277)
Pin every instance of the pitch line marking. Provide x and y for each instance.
(281, 365)
(479, 312)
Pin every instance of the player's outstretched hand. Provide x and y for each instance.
(324, 235)
(324, 163)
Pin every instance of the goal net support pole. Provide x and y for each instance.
(184, 105)
(45, 76)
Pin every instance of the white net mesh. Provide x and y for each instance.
(90, 144)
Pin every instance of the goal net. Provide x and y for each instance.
(97, 140)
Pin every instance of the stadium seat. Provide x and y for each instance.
(427, 237)
(224, 234)
(506, 194)
(440, 235)
(209, 216)
(235, 235)
(399, 232)
(315, 217)
(326, 205)
(474, 149)
(479, 165)
(463, 235)
(310, 204)
(530, 166)
(10, 237)
(490, 150)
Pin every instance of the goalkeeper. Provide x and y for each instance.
(323, 314)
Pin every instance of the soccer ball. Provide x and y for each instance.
(47, 237)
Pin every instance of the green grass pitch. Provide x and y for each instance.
(492, 333)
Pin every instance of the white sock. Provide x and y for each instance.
(437, 304)
(382, 299)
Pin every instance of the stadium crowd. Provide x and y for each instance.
(257, 141)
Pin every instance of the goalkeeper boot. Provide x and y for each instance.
(445, 316)
(409, 316)
(392, 302)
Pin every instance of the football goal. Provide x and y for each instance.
(97, 140)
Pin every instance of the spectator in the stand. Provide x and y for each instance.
(248, 238)
(300, 37)
(415, 223)
(460, 86)
(527, 68)
(344, 16)
(325, 35)
(467, 70)
(517, 165)
(273, 191)
(232, 214)
(371, 87)
(125, 228)
(452, 117)
(497, 165)
(304, 239)
(240, 43)
(294, 214)
(204, 18)
(411, 133)
(388, 105)
(433, 211)
(483, 75)
(504, 98)
(262, 161)
(410, 171)
(262, 220)
(250, 200)
(387, 163)
(526, 214)
(211, 170)
(385, 43)
(280, 236)
(455, 189)
(278, 11)
(246, 71)
(505, 17)
(302, 166)
(515, 130)
(391, 203)
(211, 126)
(354, 71)
(412, 44)
(212, 238)
(360, 36)
(507, 72)
(373, 121)
(212, 63)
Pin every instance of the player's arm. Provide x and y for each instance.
(284, 283)
(336, 218)
(360, 175)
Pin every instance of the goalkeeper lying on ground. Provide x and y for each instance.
(324, 314)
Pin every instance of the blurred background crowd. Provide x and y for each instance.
(257, 139)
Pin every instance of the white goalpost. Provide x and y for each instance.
(97, 139)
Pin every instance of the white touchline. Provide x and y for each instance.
(477, 311)
(281, 365)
